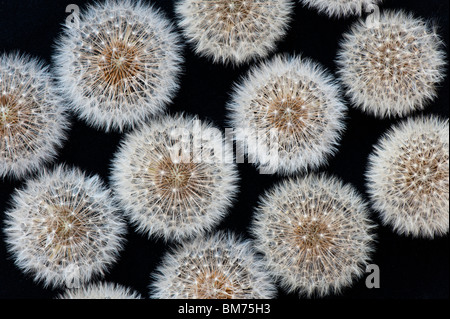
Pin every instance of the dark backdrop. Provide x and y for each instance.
(410, 268)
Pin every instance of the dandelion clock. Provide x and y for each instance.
(175, 177)
(315, 234)
(342, 8)
(63, 228)
(391, 66)
(234, 31)
(408, 177)
(287, 114)
(103, 290)
(33, 120)
(118, 63)
(221, 266)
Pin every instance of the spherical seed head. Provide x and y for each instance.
(103, 290)
(315, 234)
(289, 113)
(342, 8)
(175, 177)
(234, 31)
(216, 267)
(119, 64)
(63, 228)
(33, 121)
(408, 177)
(391, 67)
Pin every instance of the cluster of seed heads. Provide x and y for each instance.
(391, 67)
(32, 117)
(296, 101)
(171, 184)
(63, 228)
(315, 234)
(342, 8)
(103, 290)
(234, 30)
(215, 267)
(119, 64)
(408, 177)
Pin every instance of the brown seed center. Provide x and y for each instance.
(287, 115)
(214, 285)
(118, 62)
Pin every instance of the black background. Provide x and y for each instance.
(410, 268)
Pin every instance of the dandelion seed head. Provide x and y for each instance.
(290, 114)
(33, 120)
(315, 234)
(408, 177)
(391, 68)
(120, 65)
(63, 228)
(234, 31)
(220, 266)
(170, 178)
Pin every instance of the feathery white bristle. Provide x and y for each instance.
(120, 65)
(234, 31)
(391, 67)
(33, 120)
(315, 234)
(103, 290)
(63, 228)
(408, 177)
(172, 197)
(294, 99)
(220, 266)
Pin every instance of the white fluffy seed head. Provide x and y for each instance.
(391, 67)
(315, 234)
(175, 177)
(220, 266)
(118, 64)
(234, 31)
(33, 121)
(408, 177)
(342, 8)
(63, 229)
(287, 114)
(103, 290)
